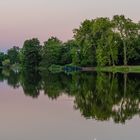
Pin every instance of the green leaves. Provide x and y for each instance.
(13, 55)
(51, 52)
(103, 41)
(128, 31)
(97, 42)
(31, 53)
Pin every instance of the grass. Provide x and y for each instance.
(55, 68)
(114, 69)
(120, 69)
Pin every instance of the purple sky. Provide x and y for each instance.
(24, 19)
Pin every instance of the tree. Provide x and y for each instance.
(127, 30)
(2, 57)
(51, 52)
(134, 51)
(97, 42)
(87, 43)
(66, 53)
(13, 55)
(31, 53)
(6, 63)
(103, 33)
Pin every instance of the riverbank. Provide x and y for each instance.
(120, 69)
(114, 69)
(70, 68)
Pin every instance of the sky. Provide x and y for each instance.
(25, 19)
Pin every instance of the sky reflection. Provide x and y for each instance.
(25, 118)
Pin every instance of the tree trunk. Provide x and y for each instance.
(125, 55)
(112, 56)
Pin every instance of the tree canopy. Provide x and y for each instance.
(96, 42)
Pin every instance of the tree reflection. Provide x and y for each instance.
(30, 81)
(11, 76)
(97, 102)
(1, 76)
(108, 100)
(129, 104)
(54, 85)
(101, 96)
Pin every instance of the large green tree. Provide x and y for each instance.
(13, 55)
(67, 53)
(31, 53)
(97, 42)
(128, 31)
(107, 43)
(87, 43)
(51, 52)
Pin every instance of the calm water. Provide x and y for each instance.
(81, 106)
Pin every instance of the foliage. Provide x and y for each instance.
(6, 63)
(31, 53)
(13, 55)
(67, 54)
(101, 41)
(98, 42)
(85, 40)
(2, 57)
(51, 52)
(128, 31)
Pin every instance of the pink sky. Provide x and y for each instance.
(24, 19)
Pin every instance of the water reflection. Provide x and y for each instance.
(100, 96)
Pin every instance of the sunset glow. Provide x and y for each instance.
(21, 20)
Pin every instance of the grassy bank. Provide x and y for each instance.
(114, 69)
(120, 69)
(71, 68)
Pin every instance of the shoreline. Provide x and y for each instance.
(116, 69)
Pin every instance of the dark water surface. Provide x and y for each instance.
(80, 106)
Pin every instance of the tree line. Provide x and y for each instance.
(97, 42)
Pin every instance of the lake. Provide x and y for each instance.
(78, 106)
